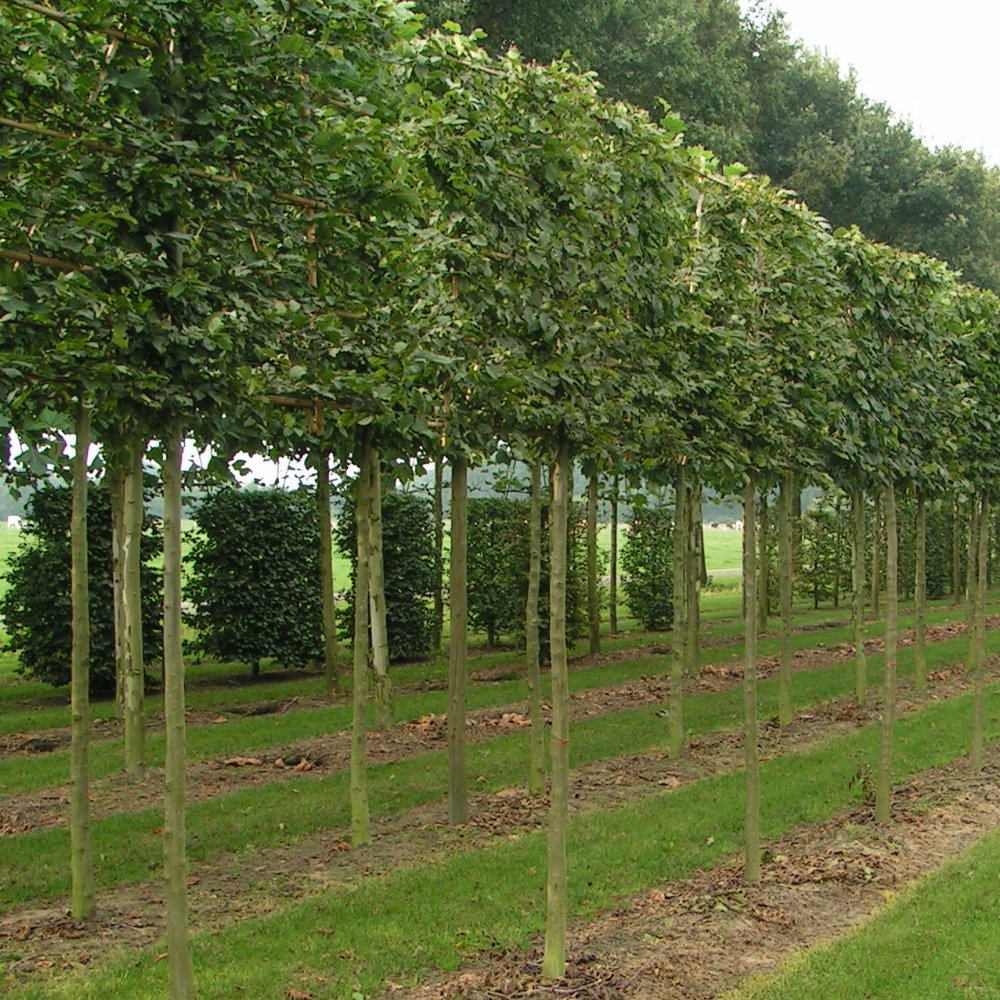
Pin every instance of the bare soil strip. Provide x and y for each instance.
(43, 940)
(697, 938)
(310, 759)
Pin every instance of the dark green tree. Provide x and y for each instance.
(36, 608)
(255, 578)
(647, 562)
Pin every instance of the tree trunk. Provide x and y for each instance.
(858, 593)
(613, 562)
(971, 575)
(920, 594)
(593, 593)
(554, 958)
(81, 855)
(956, 549)
(763, 566)
(360, 814)
(536, 772)
(331, 647)
(837, 547)
(786, 558)
(693, 580)
(876, 589)
(883, 786)
(751, 857)
(675, 716)
(174, 833)
(458, 806)
(979, 657)
(438, 554)
(376, 593)
(115, 479)
(133, 652)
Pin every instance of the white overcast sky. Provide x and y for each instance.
(934, 62)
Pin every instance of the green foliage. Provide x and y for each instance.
(408, 558)
(824, 569)
(497, 565)
(36, 608)
(255, 579)
(647, 562)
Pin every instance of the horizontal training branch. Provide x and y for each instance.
(74, 21)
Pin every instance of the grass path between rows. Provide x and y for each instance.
(396, 925)
(250, 735)
(127, 845)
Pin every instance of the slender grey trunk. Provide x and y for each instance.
(376, 593)
(360, 813)
(883, 786)
(438, 506)
(593, 594)
(751, 858)
(763, 565)
(693, 581)
(971, 568)
(613, 563)
(116, 494)
(979, 657)
(920, 594)
(181, 972)
(458, 799)
(956, 550)
(876, 574)
(554, 957)
(675, 716)
(786, 559)
(81, 854)
(536, 771)
(858, 593)
(133, 652)
(331, 647)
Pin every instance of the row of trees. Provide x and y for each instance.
(309, 230)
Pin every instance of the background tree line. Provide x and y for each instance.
(750, 92)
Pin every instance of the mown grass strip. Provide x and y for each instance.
(940, 938)
(20, 775)
(33, 865)
(395, 926)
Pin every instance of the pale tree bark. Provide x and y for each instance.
(376, 592)
(554, 957)
(693, 579)
(971, 577)
(858, 593)
(613, 561)
(920, 594)
(751, 853)
(81, 854)
(979, 656)
(593, 594)
(331, 647)
(438, 505)
(681, 567)
(115, 480)
(133, 653)
(763, 564)
(883, 784)
(956, 550)
(458, 597)
(876, 573)
(786, 559)
(360, 813)
(181, 972)
(536, 772)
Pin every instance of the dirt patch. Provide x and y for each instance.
(42, 940)
(695, 938)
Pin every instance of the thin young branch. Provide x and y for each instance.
(74, 21)
(41, 260)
